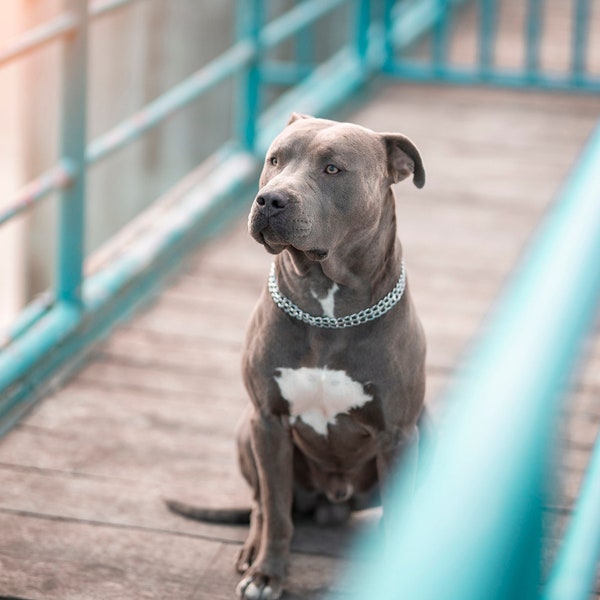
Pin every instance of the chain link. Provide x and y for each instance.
(363, 316)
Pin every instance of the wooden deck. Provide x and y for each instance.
(82, 479)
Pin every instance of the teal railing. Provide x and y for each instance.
(474, 528)
(573, 71)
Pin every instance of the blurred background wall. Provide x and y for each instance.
(136, 54)
(12, 276)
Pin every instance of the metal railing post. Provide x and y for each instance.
(388, 35)
(440, 36)
(305, 49)
(363, 21)
(533, 39)
(71, 235)
(487, 31)
(580, 40)
(250, 16)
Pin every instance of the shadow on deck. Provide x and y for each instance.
(152, 415)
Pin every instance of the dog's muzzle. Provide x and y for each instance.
(274, 221)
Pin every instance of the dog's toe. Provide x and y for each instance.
(248, 590)
(255, 587)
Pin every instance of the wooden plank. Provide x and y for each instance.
(172, 322)
(139, 506)
(54, 559)
(135, 504)
(80, 408)
(310, 577)
(112, 448)
(150, 351)
(108, 374)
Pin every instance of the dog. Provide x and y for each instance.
(334, 359)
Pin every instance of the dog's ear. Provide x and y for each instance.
(403, 159)
(296, 117)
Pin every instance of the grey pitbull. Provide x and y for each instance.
(334, 360)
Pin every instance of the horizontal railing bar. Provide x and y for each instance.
(295, 20)
(182, 94)
(575, 569)
(180, 221)
(274, 33)
(39, 36)
(412, 70)
(100, 8)
(54, 179)
(43, 339)
(36, 309)
(55, 29)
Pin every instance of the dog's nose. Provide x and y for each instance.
(272, 202)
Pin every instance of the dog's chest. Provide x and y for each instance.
(318, 395)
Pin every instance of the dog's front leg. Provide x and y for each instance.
(273, 451)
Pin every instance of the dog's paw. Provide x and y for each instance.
(330, 515)
(259, 587)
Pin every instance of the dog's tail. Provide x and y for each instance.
(224, 516)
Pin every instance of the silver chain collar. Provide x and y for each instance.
(362, 316)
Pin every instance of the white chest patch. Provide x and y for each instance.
(317, 396)
(327, 302)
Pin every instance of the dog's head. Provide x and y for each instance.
(325, 182)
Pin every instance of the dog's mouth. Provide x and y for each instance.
(275, 244)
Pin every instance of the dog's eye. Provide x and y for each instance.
(331, 170)
(273, 160)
